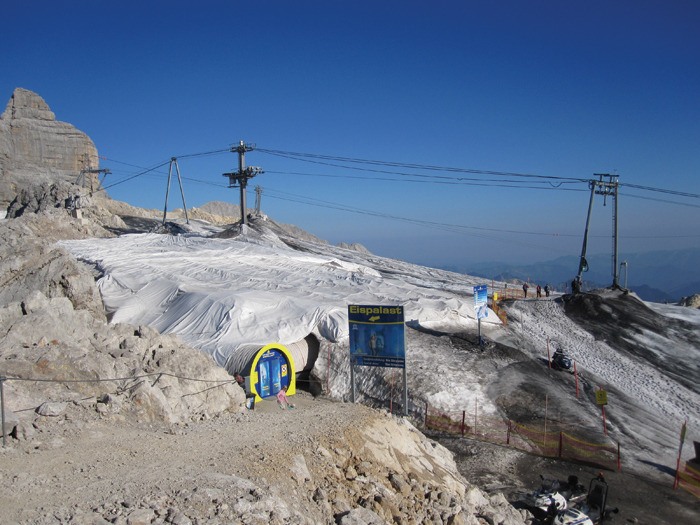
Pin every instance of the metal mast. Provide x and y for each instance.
(605, 188)
(258, 199)
(240, 178)
(583, 264)
(88, 169)
(173, 161)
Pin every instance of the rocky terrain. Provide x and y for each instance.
(110, 423)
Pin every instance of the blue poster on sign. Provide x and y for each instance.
(377, 336)
(264, 375)
(481, 299)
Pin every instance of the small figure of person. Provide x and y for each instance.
(282, 399)
(525, 287)
(546, 290)
(373, 343)
(539, 291)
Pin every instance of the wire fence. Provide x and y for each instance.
(548, 441)
(215, 383)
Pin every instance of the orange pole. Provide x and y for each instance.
(576, 376)
(676, 480)
(605, 427)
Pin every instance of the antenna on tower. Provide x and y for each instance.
(240, 178)
(173, 162)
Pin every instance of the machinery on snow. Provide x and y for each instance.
(562, 361)
(568, 503)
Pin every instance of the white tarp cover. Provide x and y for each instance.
(218, 294)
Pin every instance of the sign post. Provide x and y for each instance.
(684, 429)
(481, 306)
(601, 398)
(377, 339)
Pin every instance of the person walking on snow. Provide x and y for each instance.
(546, 290)
(539, 291)
(525, 287)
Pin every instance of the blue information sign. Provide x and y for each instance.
(377, 336)
(481, 301)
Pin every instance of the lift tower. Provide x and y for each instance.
(88, 169)
(173, 162)
(605, 188)
(240, 178)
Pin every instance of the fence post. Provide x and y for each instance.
(508, 434)
(328, 372)
(425, 422)
(2, 410)
(619, 459)
(464, 412)
(561, 443)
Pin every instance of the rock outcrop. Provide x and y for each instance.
(692, 301)
(35, 148)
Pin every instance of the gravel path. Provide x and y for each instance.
(75, 472)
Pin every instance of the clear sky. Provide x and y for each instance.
(560, 90)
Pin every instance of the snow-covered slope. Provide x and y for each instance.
(219, 294)
(262, 285)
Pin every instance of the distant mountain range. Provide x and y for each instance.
(658, 276)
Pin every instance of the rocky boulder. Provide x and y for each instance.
(692, 301)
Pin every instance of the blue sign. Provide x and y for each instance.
(377, 336)
(481, 299)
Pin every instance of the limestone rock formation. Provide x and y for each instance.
(355, 246)
(692, 301)
(36, 148)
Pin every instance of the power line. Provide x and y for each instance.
(446, 226)
(661, 200)
(134, 176)
(307, 157)
(661, 190)
(431, 180)
(318, 158)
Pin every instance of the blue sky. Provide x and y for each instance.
(560, 90)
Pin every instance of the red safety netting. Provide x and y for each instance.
(689, 479)
(548, 441)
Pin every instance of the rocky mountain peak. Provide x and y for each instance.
(36, 149)
(27, 104)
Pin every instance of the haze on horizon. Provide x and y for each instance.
(483, 122)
